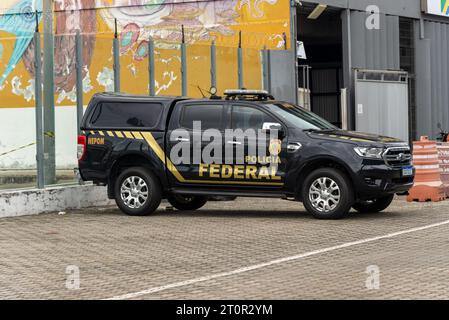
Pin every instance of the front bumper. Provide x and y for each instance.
(379, 180)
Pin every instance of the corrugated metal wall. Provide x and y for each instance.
(432, 77)
(375, 49)
(281, 75)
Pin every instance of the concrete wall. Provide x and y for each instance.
(17, 129)
(31, 202)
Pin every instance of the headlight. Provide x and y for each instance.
(370, 153)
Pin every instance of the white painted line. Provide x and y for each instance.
(272, 262)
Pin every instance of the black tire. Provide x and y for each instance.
(186, 203)
(375, 205)
(346, 195)
(153, 189)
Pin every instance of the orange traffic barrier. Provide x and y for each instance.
(443, 157)
(428, 185)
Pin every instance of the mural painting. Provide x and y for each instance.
(262, 23)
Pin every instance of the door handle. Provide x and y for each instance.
(236, 143)
(182, 139)
(293, 147)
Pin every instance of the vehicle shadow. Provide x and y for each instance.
(251, 214)
(281, 214)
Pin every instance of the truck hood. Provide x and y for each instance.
(356, 137)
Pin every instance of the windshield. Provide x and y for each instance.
(299, 118)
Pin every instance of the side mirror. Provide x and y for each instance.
(272, 126)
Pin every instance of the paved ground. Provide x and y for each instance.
(219, 252)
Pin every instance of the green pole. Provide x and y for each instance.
(183, 63)
(48, 94)
(38, 96)
(79, 80)
(265, 69)
(116, 53)
(240, 62)
(151, 67)
(213, 65)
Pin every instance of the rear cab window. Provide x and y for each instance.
(126, 115)
(211, 116)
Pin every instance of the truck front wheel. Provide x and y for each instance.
(327, 194)
(186, 202)
(375, 205)
(137, 192)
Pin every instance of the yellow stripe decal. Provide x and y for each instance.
(360, 140)
(160, 153)
(137, 135)
(172, 168)
(275, 184)
(119, 134)
(92, 132)
(110, 133)
(101, 133)
(128, 135)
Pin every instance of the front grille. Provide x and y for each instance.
(398, 157)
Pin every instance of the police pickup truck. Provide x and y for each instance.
(244, 144)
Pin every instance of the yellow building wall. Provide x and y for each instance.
(262, 23)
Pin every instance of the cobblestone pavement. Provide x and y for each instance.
(200, 255)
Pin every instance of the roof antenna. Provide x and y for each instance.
(182, 33)
(240, 39)
(37, 21)
(115, 29)
(201, 90)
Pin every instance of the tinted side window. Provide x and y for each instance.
(211, 116)
(249, 118)
(126, 115)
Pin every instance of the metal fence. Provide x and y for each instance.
(221, 66)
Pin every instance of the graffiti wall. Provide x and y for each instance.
(261, 22)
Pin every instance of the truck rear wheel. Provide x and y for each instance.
(137, 192)
(327, 194)
(375, 205)
(186, 202)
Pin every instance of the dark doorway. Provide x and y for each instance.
(322, 38)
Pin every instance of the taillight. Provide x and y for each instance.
(81, 149)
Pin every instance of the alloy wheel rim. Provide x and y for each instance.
(324, 194)
(134, 192)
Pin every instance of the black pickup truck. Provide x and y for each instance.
(243, 144)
